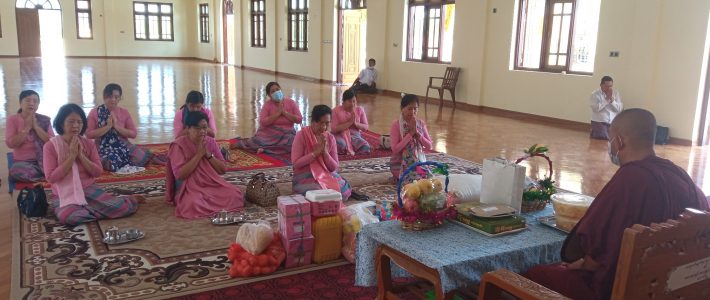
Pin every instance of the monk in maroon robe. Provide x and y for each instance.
(646, 189)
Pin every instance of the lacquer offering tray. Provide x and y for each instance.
(226, 218)
(115, 236)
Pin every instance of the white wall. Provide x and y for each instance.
(8, 41)
(660, 43)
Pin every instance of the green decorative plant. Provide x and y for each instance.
(544, 188)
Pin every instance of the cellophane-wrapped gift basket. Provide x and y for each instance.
(424, 203)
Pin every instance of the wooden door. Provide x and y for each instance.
(353, 42)
(28, 35)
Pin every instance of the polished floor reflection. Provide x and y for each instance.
(155, 89)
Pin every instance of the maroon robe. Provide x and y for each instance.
(648, 191)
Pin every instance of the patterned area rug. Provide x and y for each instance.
(177, 257)
(239, 160)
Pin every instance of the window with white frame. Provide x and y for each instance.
(557, 35)
(430, 30)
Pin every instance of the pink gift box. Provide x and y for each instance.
(299, 252)
(294, 217)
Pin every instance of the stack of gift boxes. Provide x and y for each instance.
(310, 227)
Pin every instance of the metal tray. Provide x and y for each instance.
(125, 236)
(551, 222)
(229, 219)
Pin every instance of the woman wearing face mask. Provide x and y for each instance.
(72, 165)
(195, 101)
(25, 134)
(409, 138)
(111, 126)
(315, 157)
(349, 120)
(194, 184)
(276, 119)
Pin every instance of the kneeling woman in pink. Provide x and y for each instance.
(26, 133)
(349, 120)
(194, 165)
(276, 120)
(195, 101)
(315, 157)
(71, 163)
(409, 138)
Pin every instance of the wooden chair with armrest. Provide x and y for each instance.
(670, 260)
(448, 82)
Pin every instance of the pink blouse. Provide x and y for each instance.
(271, 107)
(26, 151)
(341, 116)
(54, 173)
(178, 122)
(398, 143)
(124, 120)
(302, 158)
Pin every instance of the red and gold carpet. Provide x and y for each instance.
(176, 257)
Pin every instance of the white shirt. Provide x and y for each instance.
(602, 110)
(367, 76)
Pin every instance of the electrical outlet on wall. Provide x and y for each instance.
(614, 54)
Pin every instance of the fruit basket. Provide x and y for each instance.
(424, 203)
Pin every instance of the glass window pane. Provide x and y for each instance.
(584, 41)
(139, 7)
(530, 44)
(557, 8)
(568, 8)
(417, 42)
(555, 35)
(153, 31)
(82, 4)
(564, 34)
(447, 45)
(153, 8)
(562, 60)
(166, 9)
(551, 59)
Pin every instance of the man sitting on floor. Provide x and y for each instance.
(365, 82)
(606, 104)
(645, 189)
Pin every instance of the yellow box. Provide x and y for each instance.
(328, 234)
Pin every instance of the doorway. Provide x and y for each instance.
(228, 38)
(39, 28)
(352, 40)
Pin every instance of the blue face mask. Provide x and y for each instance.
(277, 96)
(613, 157)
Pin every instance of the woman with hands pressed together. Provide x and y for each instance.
(26, 133)
(195, 163)
(71, 163)
(276, 119)
(409, 139)
(315, 157)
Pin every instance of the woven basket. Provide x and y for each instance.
(531, 206)
(420, 225)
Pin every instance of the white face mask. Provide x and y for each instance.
(613, 157)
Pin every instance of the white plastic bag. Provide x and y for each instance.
(464, 187)
(254, 238)
(354, 218)
(502, 183)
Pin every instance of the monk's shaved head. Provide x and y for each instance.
(637, 126)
